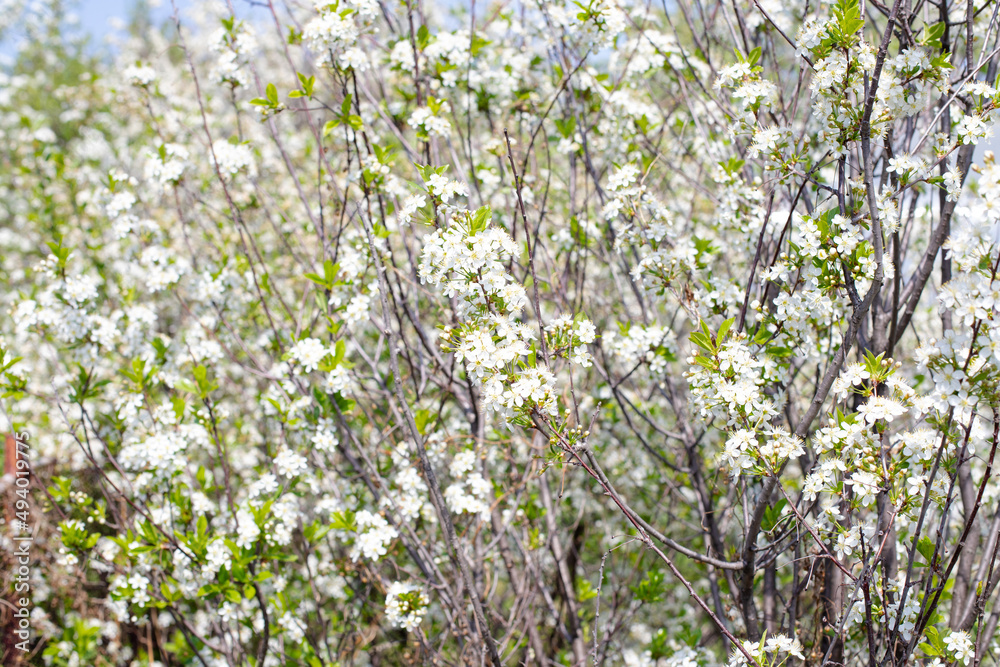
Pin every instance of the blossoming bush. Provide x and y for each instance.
(515, 333)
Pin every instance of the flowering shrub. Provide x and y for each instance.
(531, 333)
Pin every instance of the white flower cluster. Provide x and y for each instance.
(595, 28)
(887, 589)
(569, 338)
(908, 78)
(325, 439)
(953, 183)
(743, 450)
(139, 75)
(823, 478)
(232, 158)
(410, 206)
(849, 540)
(374, 536)
(217, 557)
(133, 589)
(446, 189)
(167, 165)
(622, 185)
(248, 531)
(766, 140)
(405, 605)
(308, 353)
(750, 90)
(338, 380)
(234, 43)
(728, 382)
(852, 375)
(158, 268)
(289, 464)
(773, 645)
(810, 35)
(431, 122)
(357, 309)
(333, 30)
(907, 167)
(469, 264)
(652, 345)
(162, 453)
(960, 645)
(285, 517)
(471, 268)
(409, 495)
(295, 630)
(470, 495)
(881, 408)
(972, 128)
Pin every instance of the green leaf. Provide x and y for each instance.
(723, 330)
(584, 590)
(929, 650)
(926, 549)
(846, 22)
(732, 166)
(701, 341)
(566, 127)
(423, 37)
(702, 247)
(937, 644)
(308, 84)
(179, 406)
(329, 277)
(272, 94)
(705, 363)
(345, 404)
(343, 521)
(932, 35)
(202, 526)
(942, 61)
(480, 219)
(60, 251)
(477, 44)
(651, 589)
(772, 515)
(422, 418)
(204, 385)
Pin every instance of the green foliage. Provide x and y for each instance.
(308, 84)
(345, 117)
(652, 588)
(846, 21)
